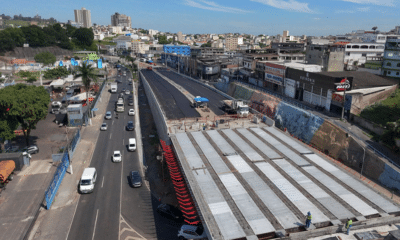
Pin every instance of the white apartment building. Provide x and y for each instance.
(153, 32)
(115, 29)
(83, 16)
(140, 47)
(240, 40)
(362, 52)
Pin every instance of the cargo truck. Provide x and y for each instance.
(239, 107)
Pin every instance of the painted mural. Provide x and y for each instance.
(264, 104)
(242, 93)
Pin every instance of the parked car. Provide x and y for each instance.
(127, 92)
(170, 212)
(135, 179)
(130, 126)
(191, 232)
(130, 102)
(103, 127)
(32, 149)
(108, 115)
(131, 112)
(12, 149)
(117, 157)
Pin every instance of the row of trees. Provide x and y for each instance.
(54, 35)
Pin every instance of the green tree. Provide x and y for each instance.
(35, 36)
(86, 71)
(45, 57)
(22, 105)
(11, 38)
(84, 37)
(55, 73)
(163, 39)
(31, 80)
(70, 30)
(208, 44)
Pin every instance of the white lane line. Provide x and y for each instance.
(110, 135)
(102, 183)
(95, 222)
(120, 199)
(112, 122)
(123, 142)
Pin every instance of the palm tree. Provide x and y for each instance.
(86, 71)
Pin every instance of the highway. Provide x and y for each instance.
(99, 214)
(173, 102)
(196, 89)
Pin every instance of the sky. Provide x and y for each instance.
(269, 17)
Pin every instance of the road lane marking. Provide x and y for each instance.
(102, 183)
(110, 135)
(95, 222)
(120, 197)
(123, 142)
(112, 122)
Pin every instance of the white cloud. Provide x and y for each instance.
(208, 5)
(290, 5)
(363, 9)
(388, 3)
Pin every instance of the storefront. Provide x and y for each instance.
(274, 75)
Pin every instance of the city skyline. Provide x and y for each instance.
(270, 17)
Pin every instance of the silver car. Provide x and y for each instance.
(108, 115)
(103, 127)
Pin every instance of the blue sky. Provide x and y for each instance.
(271, 17)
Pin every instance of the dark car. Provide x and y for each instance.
(130, 102)
(130, 126)
(135, 179)
(169, 211)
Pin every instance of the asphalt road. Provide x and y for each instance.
(197, 89)
(98, 214)
(173, 102)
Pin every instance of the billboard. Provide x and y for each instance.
(343, 84)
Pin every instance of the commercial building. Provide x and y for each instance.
(391, 58)
(121, 20)
(178, 49)
(196, 52)
(83, 16)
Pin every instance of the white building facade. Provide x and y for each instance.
(363, 52)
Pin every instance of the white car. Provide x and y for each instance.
(108, 115)
(131, 112)
(103, 127)
(191, 232)
(127, 92)
(117, 157)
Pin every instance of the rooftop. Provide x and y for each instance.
(250, 182)
(363, 79)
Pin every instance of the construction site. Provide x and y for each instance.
(240, 177)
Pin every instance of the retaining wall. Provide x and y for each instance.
(158, 114)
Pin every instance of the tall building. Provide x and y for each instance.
(285, 33)
(391, 60)
(83, 16)
(121, 20)
(180, 36)
(231, 43)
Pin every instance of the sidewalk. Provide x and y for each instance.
(55, 223)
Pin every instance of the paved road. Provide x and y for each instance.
(197, 89)
(98, 215)
(174, 103)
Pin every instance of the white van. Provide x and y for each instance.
(132, 144)
(88, 179)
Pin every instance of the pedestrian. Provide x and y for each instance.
(308, 220)
(348, 225)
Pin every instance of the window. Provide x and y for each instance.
(347, 54)
(389, 72)
(356, 46)
(397, 73)
(398, 65)
(364, 47)
(388, 64)
(364, 54)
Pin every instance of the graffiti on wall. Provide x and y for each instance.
(298, 122)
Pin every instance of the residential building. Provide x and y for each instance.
(329, 56)
(292, 52)
(231, 43)
(250, 60)
(1, 21)
(83, 16)
(391, 58)
(285, 34)
(153, 32)
(196, 52)
(240, 40)
(139, 47)
(121, 20)
(124, 43)
(180, 37)
(75, 24)
(360, 53)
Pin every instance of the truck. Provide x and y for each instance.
(55, 107)
(119, 106)
(200, 102)
(237, 106)
(114, 87)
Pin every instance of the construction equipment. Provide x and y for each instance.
(237, 106)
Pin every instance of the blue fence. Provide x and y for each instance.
(56, 182)
(74, 143)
